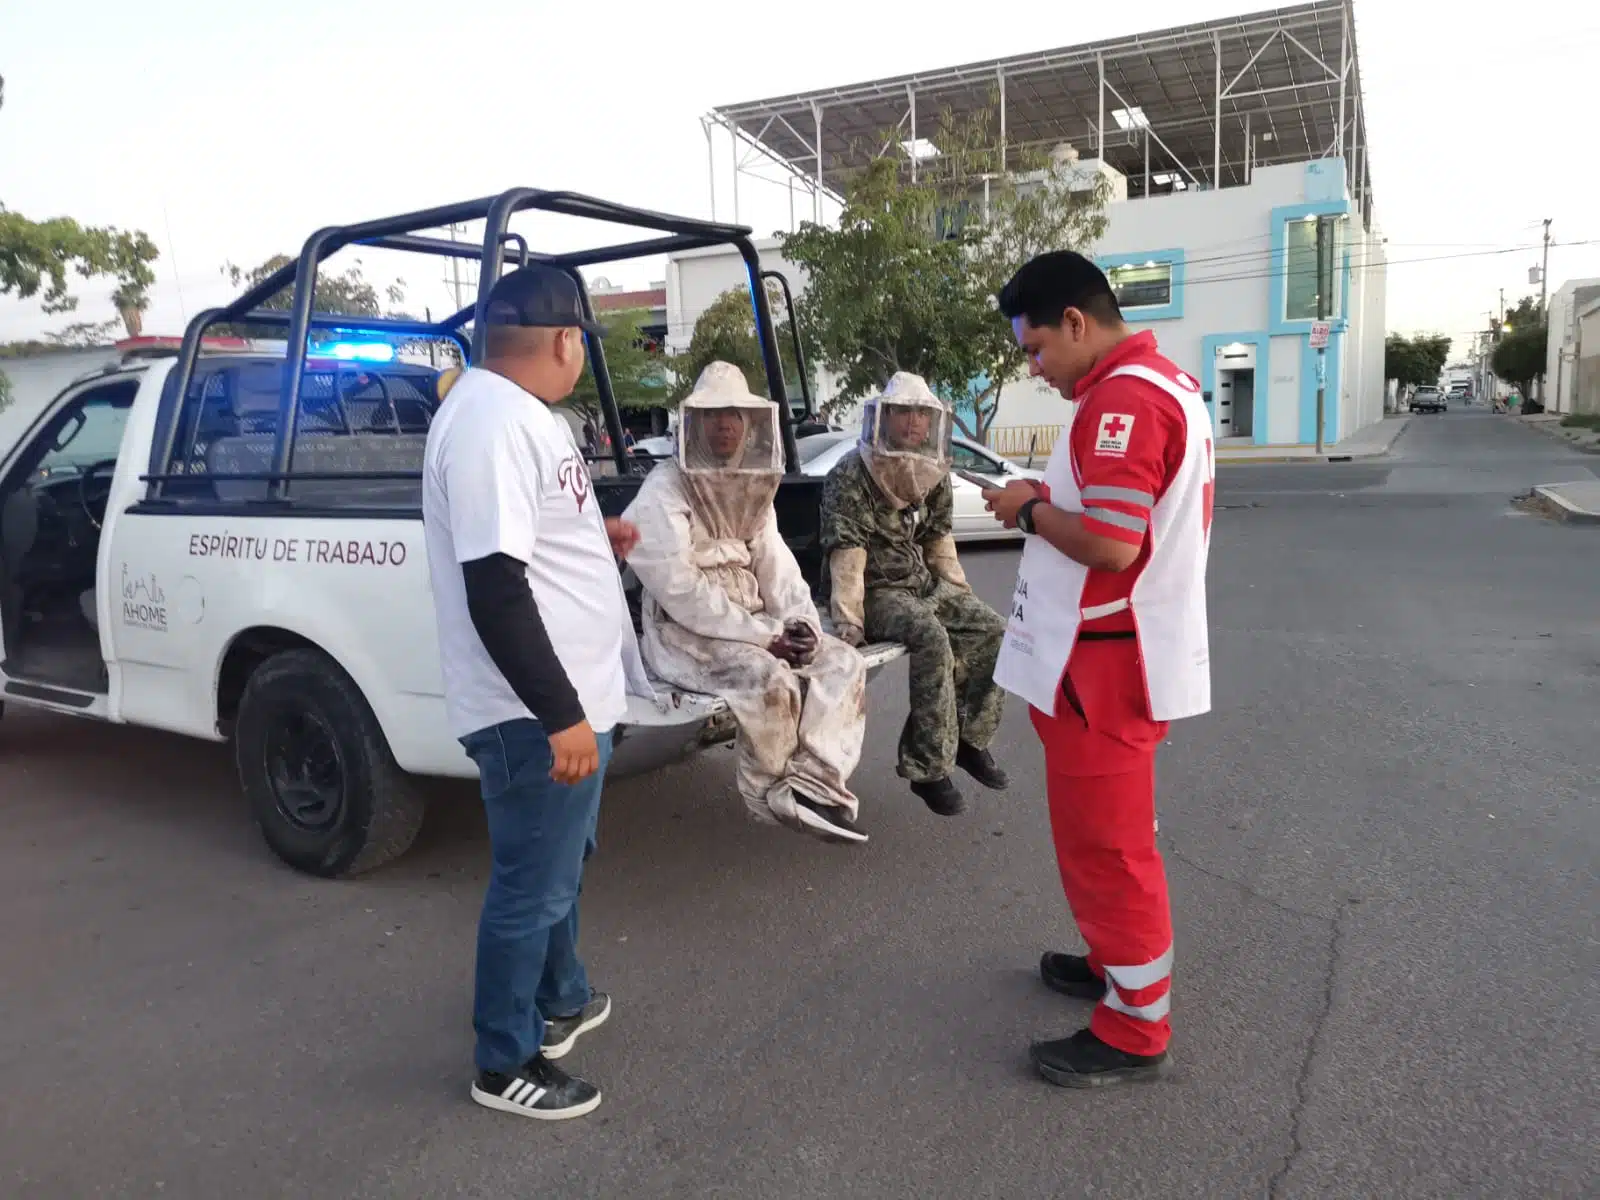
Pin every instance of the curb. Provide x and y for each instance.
(1563, 509)
(1552, 429)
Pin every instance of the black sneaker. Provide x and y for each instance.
(540, 1090)
(1070, 975)
(941, 796)
(980, 764)
(1084, 1061)
(561, 1033)
(827, 821)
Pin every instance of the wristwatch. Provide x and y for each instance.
(1025, 514)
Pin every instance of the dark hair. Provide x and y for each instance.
(1047, 285)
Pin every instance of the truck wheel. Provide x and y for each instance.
(317, 771)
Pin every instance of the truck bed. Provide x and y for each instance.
(684, 721)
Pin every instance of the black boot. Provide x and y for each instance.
(941, 796)
(1084, 1061)
(980, 764)
(1070, 975)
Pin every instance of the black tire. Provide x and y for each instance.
(317, 771)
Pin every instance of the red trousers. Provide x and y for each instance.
(1100, 754)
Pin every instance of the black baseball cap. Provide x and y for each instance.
(538, 296)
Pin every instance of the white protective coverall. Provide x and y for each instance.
(720, 586)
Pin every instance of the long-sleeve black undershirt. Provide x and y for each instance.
(504, 613)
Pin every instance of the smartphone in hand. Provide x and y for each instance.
(977, 481)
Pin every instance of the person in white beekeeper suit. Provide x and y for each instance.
(727, 611)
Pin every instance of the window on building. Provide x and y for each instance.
(1142, 285)
(1301, 284)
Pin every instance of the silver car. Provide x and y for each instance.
(821, 452)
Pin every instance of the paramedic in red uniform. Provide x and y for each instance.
(1107, 642)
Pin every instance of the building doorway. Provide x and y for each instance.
(1233, 413)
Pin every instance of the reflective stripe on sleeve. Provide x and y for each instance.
(1120, 494)
(1108, 516)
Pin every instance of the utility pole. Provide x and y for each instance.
(1544, 271)
(1544, 298)
(454, 282)
(1324, 307)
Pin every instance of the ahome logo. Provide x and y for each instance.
(144, 604)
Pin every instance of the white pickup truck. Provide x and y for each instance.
(161, 565)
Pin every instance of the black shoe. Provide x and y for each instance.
(561, 1033)
(1084, 1061)
(827, 821)
(980, 764)
(540, 1090)
(1070, 975)
(942, 796)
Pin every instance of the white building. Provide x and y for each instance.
(1216, 198)
(1563, 345)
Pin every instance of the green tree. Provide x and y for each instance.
(908, 279)
(1519, 357)
(39, 254)
(726, 332)
(1520, 347)
(1415, 361)
(634, 364)
(5, 391)
(345, 292)
(80, 335)
(37, 257)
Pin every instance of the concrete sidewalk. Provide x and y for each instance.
(1576, 502)
(1579, 437)
(1372, 442)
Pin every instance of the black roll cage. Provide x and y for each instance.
(500, 246)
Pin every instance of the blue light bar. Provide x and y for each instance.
(357, 351)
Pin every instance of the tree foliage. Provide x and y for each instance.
(1519, 357)
(37, 257)
(634, 364)
(726, 332)
(342, 292)
(1519, 353)
(908, 279)
(1415, 361)
(5, 391)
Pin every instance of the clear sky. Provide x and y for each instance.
(231, 131)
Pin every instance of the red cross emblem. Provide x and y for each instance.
(1115, 426)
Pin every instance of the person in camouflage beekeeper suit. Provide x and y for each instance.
(887, 531)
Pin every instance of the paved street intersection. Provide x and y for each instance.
(1382, 847)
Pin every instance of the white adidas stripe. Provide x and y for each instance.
(520, 1091)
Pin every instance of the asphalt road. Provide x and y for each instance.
(1382, 847)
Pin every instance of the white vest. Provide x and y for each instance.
(1169, 597)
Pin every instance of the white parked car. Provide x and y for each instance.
(821, 452)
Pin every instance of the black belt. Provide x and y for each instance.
(1110, 635)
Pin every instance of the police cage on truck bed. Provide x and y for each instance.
(367, 423)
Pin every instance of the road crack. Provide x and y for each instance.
(1179, 856)
(1314, 1047)
(1302, 1083)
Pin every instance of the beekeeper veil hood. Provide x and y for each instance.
(905, 439)
(729, 453)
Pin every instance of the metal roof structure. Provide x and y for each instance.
(1193, 106)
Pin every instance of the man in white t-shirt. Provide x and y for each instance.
(536, 648)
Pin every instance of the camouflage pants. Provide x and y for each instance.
(953, 638)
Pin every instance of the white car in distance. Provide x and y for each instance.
(821, 452)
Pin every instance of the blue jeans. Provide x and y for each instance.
(540, 833)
